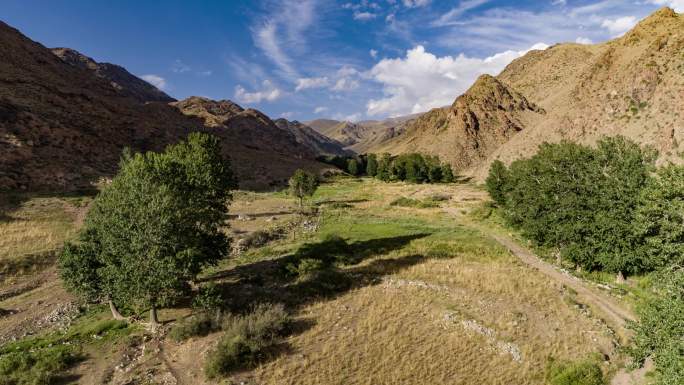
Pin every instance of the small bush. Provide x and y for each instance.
(194, 326)
(246, 339)
(408, 202)
(260, 238)
(305, 267)
(586, 372)
(439, 197)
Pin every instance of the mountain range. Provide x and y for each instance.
(65, 118)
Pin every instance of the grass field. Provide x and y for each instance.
(380, 293)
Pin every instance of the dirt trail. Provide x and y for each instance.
(611, 312)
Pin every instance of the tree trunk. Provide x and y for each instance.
(154, 321)
(115, 312)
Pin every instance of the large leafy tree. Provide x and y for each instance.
(154, 228)
(303, 184)
(660, 219)
(580, 200)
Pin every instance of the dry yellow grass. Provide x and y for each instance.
(37, 226)
(477, 316)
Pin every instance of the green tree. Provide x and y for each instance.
(384, 168)
(372, 165)
(660, 330)
(496, 182)
(303, 184)
(582, 201)
(154, 228)
(659, 219)
(353, 167)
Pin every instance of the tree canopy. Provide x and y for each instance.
(578, 199)
(303, 184)
(154, 227)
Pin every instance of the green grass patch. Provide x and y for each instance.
(43, 359)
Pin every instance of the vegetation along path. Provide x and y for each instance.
(615, 314)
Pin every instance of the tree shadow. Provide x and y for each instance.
(11, 201)
(341, 270)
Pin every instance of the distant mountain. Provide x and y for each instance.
(118, 76)
(631, 86)
(361, 137)
(63, 125)
(307, 136)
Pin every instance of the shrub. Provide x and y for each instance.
(194, 326)
(246, 339)
(660, 330)
(408, 202)
(305, 267)
(586, 372)
(497, 182)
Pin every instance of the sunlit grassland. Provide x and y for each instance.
(408, 326)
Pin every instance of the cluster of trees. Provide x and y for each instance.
(414, 168)
(607, 208)
(154, 228)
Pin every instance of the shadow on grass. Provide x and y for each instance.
(273, 281)
(11, 201)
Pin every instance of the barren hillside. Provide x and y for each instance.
(631, 86)
(63, 126)
(479, 121)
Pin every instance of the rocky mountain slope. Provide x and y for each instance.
(632, 86)
(118, 76)
(489, 114)
(63, 126)
(307, 136)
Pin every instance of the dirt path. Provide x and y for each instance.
(610, 311)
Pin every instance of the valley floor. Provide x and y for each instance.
(428, 295)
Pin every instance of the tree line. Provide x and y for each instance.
(414, 167)
(607, 208)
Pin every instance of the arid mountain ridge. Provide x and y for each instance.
(631, 86)
(64, 120)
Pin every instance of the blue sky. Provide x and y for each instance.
(305, 59)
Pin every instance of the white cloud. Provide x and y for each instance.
(415, 3)
(155, 80)
(619, 26)
(677, 5)
(451, 17)
(422, 81)
(306, 83)
(205, 73)
(320, 110)
(583, 40)
(345, 84)
(179, 67)
(287, 115)
(364, 16)
(373, 53)
(269, 93)
(277, 35)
